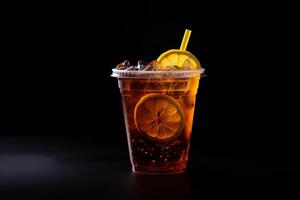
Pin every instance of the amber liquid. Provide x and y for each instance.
(150, 156)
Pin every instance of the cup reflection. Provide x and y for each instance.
(145, 186)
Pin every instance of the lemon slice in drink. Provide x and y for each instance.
(159, 117)
(178, 58)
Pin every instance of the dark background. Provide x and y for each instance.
(63, 135)
(60, 61)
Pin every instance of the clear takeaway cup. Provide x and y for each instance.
(158, 108)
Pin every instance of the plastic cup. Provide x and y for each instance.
(158, 108)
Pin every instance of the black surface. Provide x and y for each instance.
(53, 167)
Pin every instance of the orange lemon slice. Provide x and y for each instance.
(184, 60)
(159, 117)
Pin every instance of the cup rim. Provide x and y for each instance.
(179, 73)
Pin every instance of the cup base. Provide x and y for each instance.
(156, 171)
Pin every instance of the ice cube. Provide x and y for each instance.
(187, 65)
(131, 68)
(124, 65)
(180, 85)
(173, 68)
(148, 68)
(152, 66)
(141, 65)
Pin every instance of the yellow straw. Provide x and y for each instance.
(185, 39)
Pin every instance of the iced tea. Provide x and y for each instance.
(159, 116)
